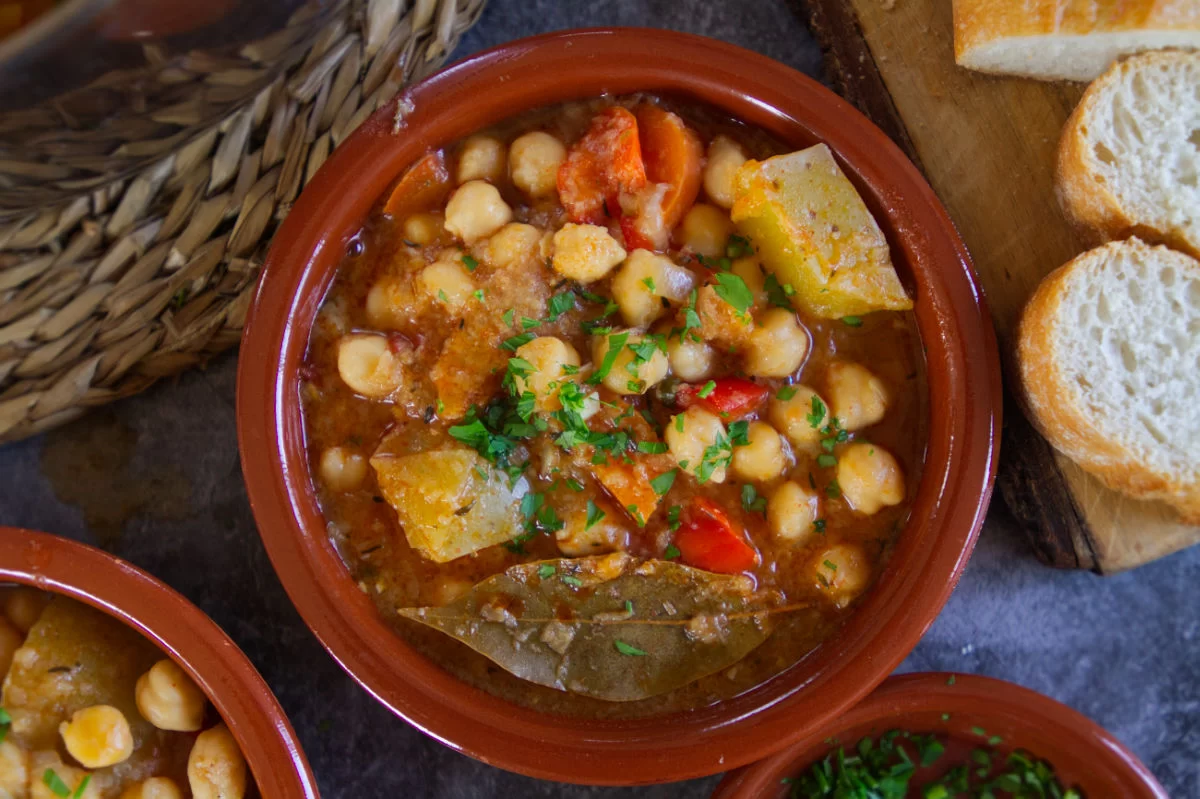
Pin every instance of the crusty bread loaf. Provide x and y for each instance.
(1067, 39)
(1109, 361)
(1129, 157)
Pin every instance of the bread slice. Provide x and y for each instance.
(1109, 362)
(1129, 157)
(1067, 39)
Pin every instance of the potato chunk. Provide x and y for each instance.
(813, 230)
(446, 507)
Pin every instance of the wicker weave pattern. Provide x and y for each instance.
(146, 277)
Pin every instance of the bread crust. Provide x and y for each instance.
(1087, 201)
(1045, 395)
(982, 22)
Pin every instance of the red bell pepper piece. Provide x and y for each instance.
(708, 539)
(601, 166)
(730, 397)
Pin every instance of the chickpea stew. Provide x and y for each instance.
(616, 408)
(92, 710)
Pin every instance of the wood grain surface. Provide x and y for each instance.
(987, 146)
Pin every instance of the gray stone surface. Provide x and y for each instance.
(157, 481)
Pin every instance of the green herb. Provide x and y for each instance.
(629, 606)
(679, 423)
(648, 282)
(852, 321)
(560, 304)
(817, 414)
(594, 515)
(442, 295)
(980, 731)
(546, 570)
(737, 246)
(819, 526)
(652, 447)
(950, 680)
(777, 294)
(673, 513)
(833, 490)
(739, 433)
(525, 405)
(529, 323)
(825, 461)
(662, 484)
(707, 389)
(786, 393)
(628, 649)
(671, 553)
(570, 369)
(734, 291)
(54, 782)
(616, 343)
(508, 317)
(572, 581)
(5, 724)
(512, 344)
(478, 294)
(691, 319)
(751, 501)
(470, 263)
(83, 784)
(636, 514)
(830, 565)
(574, 484)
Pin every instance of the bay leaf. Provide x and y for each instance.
(611, 627)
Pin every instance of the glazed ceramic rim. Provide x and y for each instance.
(184, 633)
(951, 317)
(1082, 752)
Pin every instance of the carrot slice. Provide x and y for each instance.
(672, 153)
(424, 186)
(601, 166)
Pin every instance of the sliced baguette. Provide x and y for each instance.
(1109, 361)
(1067, 39)
(1129, 157)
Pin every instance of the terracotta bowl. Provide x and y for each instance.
(182, 631)
(1082, 753)
(960, 460)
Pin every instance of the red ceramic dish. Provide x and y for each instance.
(963, 376)
(1082, 753)
(183, 632)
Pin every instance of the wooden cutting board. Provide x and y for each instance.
(987, 145)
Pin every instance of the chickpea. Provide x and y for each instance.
(167, 698)
(10, 641)
(688, 439)
(869, 477)
(423, 229)
(842, 571)
(791, 511)
(533, 162)
(97, 736)
(627, 375)
(392, 302)
(800, 417)
(367, 364)
(725, 158)
(856, 396)
(690, 359)
(576, 539)
(511, 245)
(23, 607)
(705, 230)
(644, 281)
(585, 252)
(216, 768)
(762, 458)
(342, 470)
(476, 211)
(750, 271)
(153, 788)
(14, 770)
(549, 356)
(482, 158)
(777, 346)
(448, 282)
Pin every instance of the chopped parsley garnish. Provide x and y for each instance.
(574, 484)
(546, 570)
(739, 433)
(652, 447)
(679, 423)
(751, 501)
(628, 649)
(833, 490)
(707, 389)
(852, 321)
(671, 553)
(529, 323)
(511, 344)
(442, 295)
(734, 291)
(55, 783)
(594, 515)
(817, 414)
(648, 282)
(470, 263)
(691, 319)
(572, 581)
(786, 393)
(636, 514)
(508, 317)
(629, 606)
(560, 304)
(778, 294)
(5, 724)
(673, 522)
(662, 484)
(616, 343)
(525, 405)
(825, 460)
(830, 565)
(819, 526)
(737, 246)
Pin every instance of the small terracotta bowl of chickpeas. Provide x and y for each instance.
(113, 685)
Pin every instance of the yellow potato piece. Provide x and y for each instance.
(451, 502)
(812, 229)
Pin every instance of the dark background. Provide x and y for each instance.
(156, 480)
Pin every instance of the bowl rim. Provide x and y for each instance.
(182, 632)
(990, 704)
(951, 316)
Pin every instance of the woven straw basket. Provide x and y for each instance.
(150, 274)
